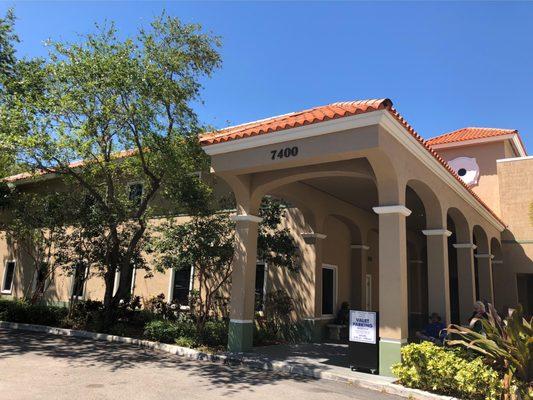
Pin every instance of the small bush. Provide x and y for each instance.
(183, 332)
(168, 331)
(447, 371)
(215, 333)
(83, 314)
(186, 342)
(23, 312)
(159, 306)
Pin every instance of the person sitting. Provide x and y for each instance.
(478, 315)
(432, 331)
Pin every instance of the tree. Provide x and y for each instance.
(8, 62)
(206, 243)
(37, 223)
(122, 107)
(8, 39)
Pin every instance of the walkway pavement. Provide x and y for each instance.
(328, 360)
(42, 366)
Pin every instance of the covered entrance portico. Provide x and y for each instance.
(371, 202)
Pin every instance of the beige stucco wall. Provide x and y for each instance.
(486, 155)
(337, 154)
(516, 193)
(337, 253)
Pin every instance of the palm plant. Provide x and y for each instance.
(507, 345)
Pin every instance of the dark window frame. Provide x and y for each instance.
(260, 295)
(133, 194)
(184, 299)
(79, 283)
(6, 275)
(334, 290)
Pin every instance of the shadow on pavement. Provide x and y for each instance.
(114, 356)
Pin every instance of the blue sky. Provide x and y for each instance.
(445, 65)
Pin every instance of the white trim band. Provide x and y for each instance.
(314, 236)
(437, 232)
(465, 246)
(497, 261)
(514, 159)
(491, 256)
(416, 262)
(323, 318)
(399, 209)
(241, 321)
(246, 218)
(395, 341)
(360, 246)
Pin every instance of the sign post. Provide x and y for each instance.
(363, 341)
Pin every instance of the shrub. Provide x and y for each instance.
(168, 331)
(159, 306)
(276, 326)
(215, 333)
(507, 344)
(24, 312)
(447, 371)
(186, 342)
(83, 314)
(183, 331)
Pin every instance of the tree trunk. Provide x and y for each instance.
(109, 279)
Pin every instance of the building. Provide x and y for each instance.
(384, 220)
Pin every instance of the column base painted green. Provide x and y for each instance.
(240, 336)
(389, 354)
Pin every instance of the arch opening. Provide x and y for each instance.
(417, 269)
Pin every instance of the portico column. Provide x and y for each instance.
(314, 321)
(241, 328)
(466, 278)
(360, 255)
(484, 268)
(393, 303)
(438, 273)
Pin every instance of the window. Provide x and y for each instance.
(79, 280)
(476, 278)
(9, 274)
(116, 282)
(260, 286)
(182, 285)
(329, 289)
(368, 292)
(525, 292)
(136, 192)
(40, 277)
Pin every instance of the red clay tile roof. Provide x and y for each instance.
(325, 113)
(75, 164)
(295, 119)
(307, 117)
(470, 133)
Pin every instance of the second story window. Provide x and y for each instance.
(135, 193)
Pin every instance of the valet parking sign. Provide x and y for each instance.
(363, 326)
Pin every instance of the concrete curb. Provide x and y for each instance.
(372, 382)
